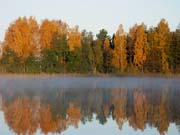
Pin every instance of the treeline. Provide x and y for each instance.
(54, 47)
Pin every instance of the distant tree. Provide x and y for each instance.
(97, 56)
(75, 50)
(87, 52)
(153, 62)
(102, 35)
(175, 50)
(162, 40)
(104, 41)
(74, 38)
(54, 49)
(47, 31)
(49, 60)
(74, 60)
(32, 64)
(107, 56)
(22, 37)
(130, 44)
(10, 62)
(141, 47)
(119, 60)
(61, 50)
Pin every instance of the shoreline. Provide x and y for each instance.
(12, 75)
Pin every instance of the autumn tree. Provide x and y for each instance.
(130, 44)
(74, 38)
(107, 55)
(54, 47)
(177, 52)
(102, 45)
(47, 30)
(153, 61)
(75, 50)
(10, 62)
(119, 60)
(174, 50)
(102, 35)
(141, 47)
(87, 51)
(74, 60)
(22, 37)
(162, 40)
(97, 56)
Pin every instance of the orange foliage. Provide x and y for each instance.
(22, 37)
(106, 44)
(119, 53)
(141, 46)
(162, 39)
(47, 30)
(74, 38)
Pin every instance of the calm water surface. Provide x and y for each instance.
(89, 106)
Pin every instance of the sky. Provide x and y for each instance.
(92, 15)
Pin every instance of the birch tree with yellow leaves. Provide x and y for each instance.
(162, 41)
(22, 37)
(141, 47)
(74, 38)
(107, 55)
(119, 59)
(47, 31)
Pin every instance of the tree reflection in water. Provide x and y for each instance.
(54, 111)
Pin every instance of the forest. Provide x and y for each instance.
(55, 47)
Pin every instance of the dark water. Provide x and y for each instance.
(90, 106)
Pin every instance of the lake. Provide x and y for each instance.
(90, 105)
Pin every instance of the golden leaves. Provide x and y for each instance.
(162, 38)
(47, 30)
(119, 53)
(141, 46)
(21, 37)
(74, 38)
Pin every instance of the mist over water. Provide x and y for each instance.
(90, 105)
(42, 83)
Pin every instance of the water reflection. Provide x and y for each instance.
(55, 110)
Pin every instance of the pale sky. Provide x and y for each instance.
(92, 14)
